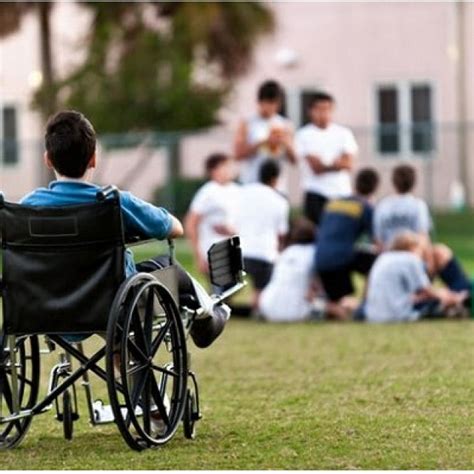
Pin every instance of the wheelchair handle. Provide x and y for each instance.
(172, 249)
(105, 192)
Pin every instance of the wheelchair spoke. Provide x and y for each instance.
(147, 408)
(139, 332)
(135, 369)
(157, 368)
(159, 338)
(136, 351)
(158, 399)
(135, 398)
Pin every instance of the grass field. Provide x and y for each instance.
(315, 396)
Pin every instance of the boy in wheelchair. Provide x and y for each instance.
(70, 143)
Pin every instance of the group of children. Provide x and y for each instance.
(307, 270)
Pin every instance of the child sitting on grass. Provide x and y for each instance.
(292, 294)
(399, 288)
(70, 142)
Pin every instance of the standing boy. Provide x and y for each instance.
(326, 151)
(266, 135)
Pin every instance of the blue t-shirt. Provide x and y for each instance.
(343, 222)
(139, 217)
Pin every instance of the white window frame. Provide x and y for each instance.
(403, 89)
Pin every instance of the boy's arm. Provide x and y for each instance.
(148, 221)
(243, 149)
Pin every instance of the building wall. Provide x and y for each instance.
(345, 48)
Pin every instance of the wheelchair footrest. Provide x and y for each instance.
(103, 414)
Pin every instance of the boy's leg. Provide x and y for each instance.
(208, 327)
(337, 284)
(261, 273)
(314, 206)
(450, 271)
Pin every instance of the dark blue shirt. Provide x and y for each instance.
(343, 222)
(139, 217)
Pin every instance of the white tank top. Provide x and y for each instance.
(258, 129)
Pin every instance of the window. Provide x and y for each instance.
(388, 118)
(422, 126)
(404, 118)
(296, 104)
(9, 139)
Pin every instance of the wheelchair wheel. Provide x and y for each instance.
(68, 421)
(28, 374)
(146, 362)
(189, 417)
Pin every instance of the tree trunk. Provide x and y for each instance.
(48, 106)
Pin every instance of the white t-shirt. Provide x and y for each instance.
(258, 129)
(284, 298)
(262, 216)
(399, 213)
(217, 204)
(393, 281)
(328, 144)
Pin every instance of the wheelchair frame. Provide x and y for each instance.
(135, 334)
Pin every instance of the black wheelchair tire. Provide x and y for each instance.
(189, 421)
(68, 422)
(11, 434)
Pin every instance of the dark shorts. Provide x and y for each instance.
(337, 282)
(314, 206)
(260, 271)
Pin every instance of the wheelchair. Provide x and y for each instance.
(63, 278)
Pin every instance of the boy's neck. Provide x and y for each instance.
(82, 179)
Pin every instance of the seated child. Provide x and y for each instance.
(403, 211)
(399, 288)
(70, 142)
(344, 222)
(290, 295)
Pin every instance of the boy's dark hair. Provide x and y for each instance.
(320, 97)
(302, 231)
(270, 91)
(214, 160)
(367, 181)
(404, 178)
(269, 171)
(70, 142)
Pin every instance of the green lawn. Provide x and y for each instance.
(315, 396)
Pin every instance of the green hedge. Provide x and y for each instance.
(177, 194)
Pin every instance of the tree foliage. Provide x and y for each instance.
(162, 65)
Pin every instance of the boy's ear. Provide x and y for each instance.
(92, 162)
(47, 161)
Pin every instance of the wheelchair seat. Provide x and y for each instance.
(62, 266)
